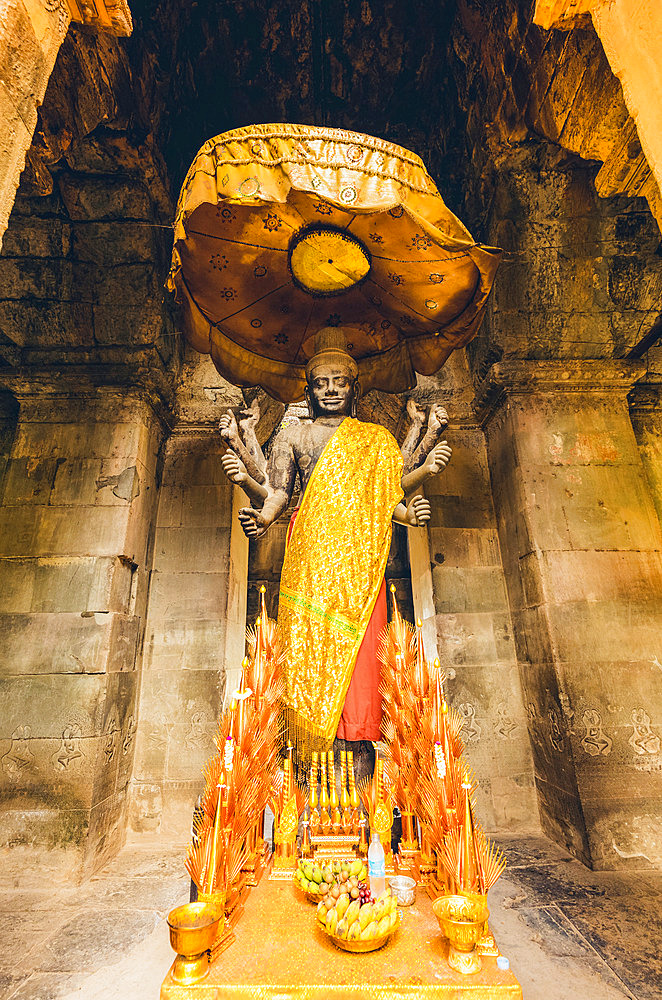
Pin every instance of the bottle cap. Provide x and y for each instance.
(503, 962)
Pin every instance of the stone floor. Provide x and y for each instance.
(569, 932)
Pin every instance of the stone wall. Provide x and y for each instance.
(582, 552)
(194, 638)
(77, 507)
(472, 615)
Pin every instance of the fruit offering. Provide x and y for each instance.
(354, 918)
(320, 880)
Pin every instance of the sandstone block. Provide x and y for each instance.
(464, 547)
(80, 583)
(170, 507)
(192, 550)
(95, 198)
(607, 629)
(462, 589)
(474, 638)
(81, 530)
(120, 324)
(17, 577)
(588, 575)
(31, 323)
(66, 643)
(108, 244)
(625, 835)
(514, 803)
(106, 832)
(76, 482)
(454, 511)
(207, 505)
(562, 819)
(30, 236)
(47, 703)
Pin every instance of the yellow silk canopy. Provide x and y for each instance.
(283, 229)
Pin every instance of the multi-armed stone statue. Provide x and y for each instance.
(353, 481)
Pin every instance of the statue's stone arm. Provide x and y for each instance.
(248, 421)
(415, 515)
(437, 424)
(230, 434)
(435, 461)
(417, 418)
(281, 476)
(236, 472)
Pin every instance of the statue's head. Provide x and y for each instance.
(332, 376)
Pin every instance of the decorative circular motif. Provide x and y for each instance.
(348, 195)
(385, 324)
(257, 148)
(375, 301)
(249, 187)
(436, 278)
(396, 212)
(354, 154)
(430, 304)
(259, 271)
(256, 323)
(326, 261)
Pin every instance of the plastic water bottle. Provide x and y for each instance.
(376, 866)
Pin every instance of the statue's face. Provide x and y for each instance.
(331, 391)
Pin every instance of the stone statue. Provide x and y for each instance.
(353, 480)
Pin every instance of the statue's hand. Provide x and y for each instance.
(438, 459)
(415, 413)
(249, 419)
(234, 468)
(437, 419)
(227, 425)
(418, 512)
(253, 522)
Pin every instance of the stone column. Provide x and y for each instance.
(581, 546)
(195, 630)
(31, 33)
(646, 414)
(75, 522)
(475, 634)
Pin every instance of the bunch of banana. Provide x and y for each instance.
(350, 920)
(343, 876)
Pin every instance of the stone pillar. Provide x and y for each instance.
(581, 546)
(195, 630)
(646, 414)
(31, 33)
(77, 510)
(475, 634)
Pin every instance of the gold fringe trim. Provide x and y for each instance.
(306, 740)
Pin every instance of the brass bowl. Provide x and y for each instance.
(358, 947)
(462, 920)
(193, 929)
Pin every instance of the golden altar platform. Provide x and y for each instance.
(281, 952)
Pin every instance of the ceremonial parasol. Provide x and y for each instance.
(283, 229)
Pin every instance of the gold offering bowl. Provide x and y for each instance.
(462, 920)
(360, 947)
(193, 928)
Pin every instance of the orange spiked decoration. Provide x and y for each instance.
(227, 850)
(468, 856)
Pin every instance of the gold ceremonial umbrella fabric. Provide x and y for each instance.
(284, 229)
